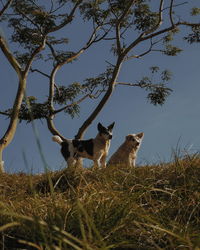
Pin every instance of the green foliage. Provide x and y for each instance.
(170, 36)
(158, 95)
(145, 19)
(194, 37)
(31, 110)
(31, 22)
(195, 11)
(157, 92)
(150, 207)
(65, 94)
(126, 24)
(171, 50)
(92, 10)
(73, 110)
(98, 84)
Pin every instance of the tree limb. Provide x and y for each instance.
(52, 128)
(40, 72)
(4, 113)
(10, 57)
(68, 19)
(71, 104)
(171, 13)
(103, 101)
(35, 52)
(119, 24)
(159, 19)
(144, 85)
(6, 6)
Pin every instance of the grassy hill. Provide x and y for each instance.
(151, 207)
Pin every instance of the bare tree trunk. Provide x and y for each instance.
(103, 101)
(9, 134)
(1, 163)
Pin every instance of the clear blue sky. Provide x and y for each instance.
(176, 122)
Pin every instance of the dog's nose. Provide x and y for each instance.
(110, 136)
(137, 144)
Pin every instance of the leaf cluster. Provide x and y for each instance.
(99, 83)
(32, 110)
(67, 94)
(171, 50)
(145, 19)
(157, 92)
(31, 22)
(34, 14)
(61, 56)
(193, 37)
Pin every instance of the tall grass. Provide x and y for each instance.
(151, 207)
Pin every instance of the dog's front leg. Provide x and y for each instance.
(71, 162)
(103, 161)
(133, 163)
(96, 163)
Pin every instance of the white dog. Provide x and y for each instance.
(94, 149)
(126, 154)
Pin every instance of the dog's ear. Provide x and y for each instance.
(100, 127)
(140, 135)
(129, 138)
(110, 127)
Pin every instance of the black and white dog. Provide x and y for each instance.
(94, 149)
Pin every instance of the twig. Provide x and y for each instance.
(6, 6)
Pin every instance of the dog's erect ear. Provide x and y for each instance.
(140, 135)
(129, 138)
(100, 127)
(110, 127)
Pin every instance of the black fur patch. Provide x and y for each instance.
(84, 145)
(65, 150)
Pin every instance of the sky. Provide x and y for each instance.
(168, 128)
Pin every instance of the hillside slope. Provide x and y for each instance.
(150, 207)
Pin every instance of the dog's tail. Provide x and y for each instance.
(57, 139)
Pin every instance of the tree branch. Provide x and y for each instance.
(159, 19)
(171, 13)
(71, 104)
(119, 24)
(40, 72)
(5, 113)
(10, 57)
(6, 6)
(143, 36)
(35, 52)
(90, 41)
(144, 53)
(68, 19)
(103, 101)
(169, 29)
(52, 127)
(144, 85)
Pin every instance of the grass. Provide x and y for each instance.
(151, 207)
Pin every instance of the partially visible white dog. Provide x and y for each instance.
(126, 154)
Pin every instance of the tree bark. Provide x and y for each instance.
(10, 132)
(103, 101)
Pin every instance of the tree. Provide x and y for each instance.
(123, 24)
